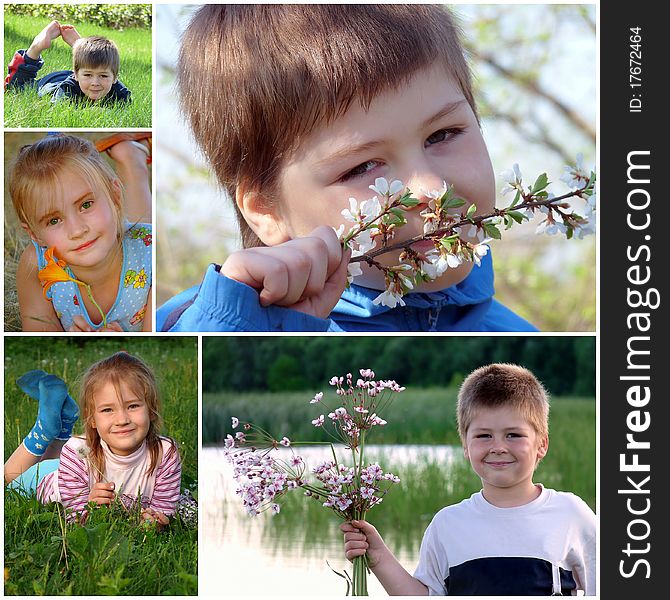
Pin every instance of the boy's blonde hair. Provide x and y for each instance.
(499, 385)
(138, 376)
(254, 79)
(95, 52)
(36, 177)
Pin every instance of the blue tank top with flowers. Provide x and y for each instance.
(130, 305)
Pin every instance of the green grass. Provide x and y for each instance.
(417, 416)
(25, 109)
(112, 553)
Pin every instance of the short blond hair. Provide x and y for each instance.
(95, 52)
(255, 79)
(36, 177)
(500, 384)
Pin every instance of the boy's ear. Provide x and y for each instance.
(543, 448)
(27, 229)
(264, 220)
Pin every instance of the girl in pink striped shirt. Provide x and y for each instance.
(121, 454)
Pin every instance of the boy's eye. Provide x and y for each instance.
(483, 435)
(512, 434)
(86, 204)
(53, 221)
(442, 135)
(359, 170)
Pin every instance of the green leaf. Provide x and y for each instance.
(398, 212)
(409, 201)
(517, 216)
(454, 203)
(517, 197)
(508, 222)
(540, 183)
(471, 211)
(492, 231)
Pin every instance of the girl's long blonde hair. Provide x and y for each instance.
(136, 374)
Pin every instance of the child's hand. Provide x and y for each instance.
(102, 493)
(43, 40)
(70, 34)
(307, 274)
(80, 324)
(153, 516)
(361, 537)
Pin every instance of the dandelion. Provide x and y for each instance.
(83, 452)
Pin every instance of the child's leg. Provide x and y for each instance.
(51, 393)
(132, 169)
(43, 40)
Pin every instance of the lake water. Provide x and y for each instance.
(265, 556)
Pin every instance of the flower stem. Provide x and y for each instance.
(92, 299)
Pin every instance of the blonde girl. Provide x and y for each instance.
(121, 455)
(89, 265)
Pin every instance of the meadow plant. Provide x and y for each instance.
(264, 474)
(457, 236)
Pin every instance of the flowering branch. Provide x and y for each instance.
(376, 221)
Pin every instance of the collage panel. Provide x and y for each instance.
(78, 231)
(78, 65)
(435, 172)
(101, 466)
(470, 460)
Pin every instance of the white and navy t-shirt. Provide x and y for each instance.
(475, 548)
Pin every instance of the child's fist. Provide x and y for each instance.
(102, 493)
(307, 274)
(361, 537)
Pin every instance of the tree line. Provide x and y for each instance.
(565, 365)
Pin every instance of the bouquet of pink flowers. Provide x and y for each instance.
(350, 490)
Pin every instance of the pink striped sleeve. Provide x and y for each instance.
(73, 480)
(168, 482)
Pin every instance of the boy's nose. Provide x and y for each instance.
(422, 179)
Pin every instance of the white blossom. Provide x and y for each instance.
(384, 188)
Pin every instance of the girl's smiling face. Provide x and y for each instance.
(423, 133)
(80, 224)
(122, 420)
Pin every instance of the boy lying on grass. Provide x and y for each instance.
(95, 63)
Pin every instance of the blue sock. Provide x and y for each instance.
(68, 416)
(51, 393)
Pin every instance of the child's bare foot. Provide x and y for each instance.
(69, 34)
(43, 40)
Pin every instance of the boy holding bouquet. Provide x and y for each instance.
(514, 537)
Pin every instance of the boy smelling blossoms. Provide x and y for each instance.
(300, 107)
(514, 537)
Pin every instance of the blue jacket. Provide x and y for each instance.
(222, 304)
